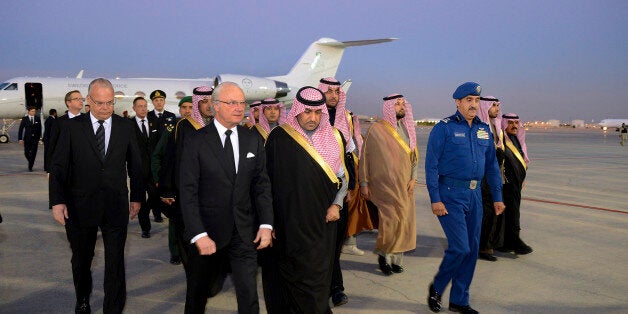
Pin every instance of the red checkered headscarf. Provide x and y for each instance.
(485, 104)
(271, 102)
(391, 117)
(521, 133)
(340, 122)
(198, 94)
(323, 138)
(252, 109)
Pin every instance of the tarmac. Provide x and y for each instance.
(574, 214)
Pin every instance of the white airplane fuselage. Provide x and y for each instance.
(321, 59)
(612, 123)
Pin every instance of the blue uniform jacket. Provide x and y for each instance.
(461, 152)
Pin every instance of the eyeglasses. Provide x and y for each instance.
(77, 98)
(104, 103)
(232, 103)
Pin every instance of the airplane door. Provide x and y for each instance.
(33, 95)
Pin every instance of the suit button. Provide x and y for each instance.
(102, 169)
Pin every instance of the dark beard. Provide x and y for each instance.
(400, 115)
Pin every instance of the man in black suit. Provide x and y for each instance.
(226, 202)
(88, 190)
(146, 138)
(29, 134)
(158, 120)
(74, 101)
(52, 116)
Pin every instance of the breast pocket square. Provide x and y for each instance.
(250, 155)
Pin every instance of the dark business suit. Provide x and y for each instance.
(96, 195)
(159, 124)
(46, 139)
(216, 201)
(55, 130)
(146, 146)
(30, 134)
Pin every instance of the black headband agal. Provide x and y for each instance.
(393, 97)
(201, 92)
(488, 99)
(308, 102)
(510, 117)
(270, 102)
(324, 81)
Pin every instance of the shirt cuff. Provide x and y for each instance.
(204, 234)
(266, 226)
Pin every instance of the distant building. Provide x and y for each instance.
(577, 123)
(553, 123)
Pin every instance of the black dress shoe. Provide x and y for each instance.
(434, 300)
(383, 266)
(82, 306)
(524, 249)
(175, 260)
(339, 298)
(487, 257)
(396, 268)
(145, 234)
(464, 309)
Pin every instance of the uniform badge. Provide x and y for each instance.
(459, 134)
(478, 89)
(482, 134)
(170, 127)
(169, 119)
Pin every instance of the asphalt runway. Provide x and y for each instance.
(574, 215)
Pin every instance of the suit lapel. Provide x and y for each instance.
(216, 148)
(243, 143)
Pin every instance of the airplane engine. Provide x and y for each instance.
(255, 88)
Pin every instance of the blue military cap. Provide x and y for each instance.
(466, 89)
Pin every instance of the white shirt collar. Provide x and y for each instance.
(94, 120)
(222, 129)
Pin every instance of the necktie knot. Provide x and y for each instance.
(159, 115)
(228, 133)
(101, 122)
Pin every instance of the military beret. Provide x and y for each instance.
(466, 89)
(185, 99)
(157, 94)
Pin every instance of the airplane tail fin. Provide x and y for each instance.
(322, 59)
(80, 74)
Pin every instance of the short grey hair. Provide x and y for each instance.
(218, 90)
(100, 82)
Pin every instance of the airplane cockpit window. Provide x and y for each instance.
(2, 85)
(11, 86)
(179, 95)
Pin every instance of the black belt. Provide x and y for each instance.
(457, 183)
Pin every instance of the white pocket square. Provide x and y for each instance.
(250, 155)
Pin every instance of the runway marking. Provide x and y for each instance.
(574, 205)
(577, 157)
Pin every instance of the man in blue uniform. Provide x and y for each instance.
(460, 153)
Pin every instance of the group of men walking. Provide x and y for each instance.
(286, 191)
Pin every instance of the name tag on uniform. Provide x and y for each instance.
(482, 134)
(459, 134)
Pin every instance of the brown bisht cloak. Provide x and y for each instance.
(386, 165)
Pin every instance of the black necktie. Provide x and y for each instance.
(32, 120)
(100, 139)
(159, 115)
(144, 130)
(229, 151)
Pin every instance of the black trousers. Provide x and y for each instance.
(30, 152)
(206, 271)
(491, 234)
(337, 283)
(82, 242)
(152, 201)
(512, 217)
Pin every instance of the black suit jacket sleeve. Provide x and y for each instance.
(20, 133)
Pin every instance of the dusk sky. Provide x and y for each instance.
(544, 60)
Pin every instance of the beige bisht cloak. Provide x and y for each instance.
(386, 165)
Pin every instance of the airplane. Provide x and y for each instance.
(612, 123)
(321, 59)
